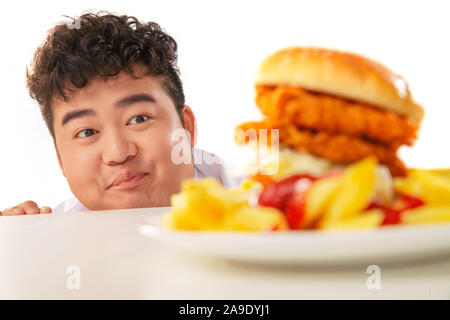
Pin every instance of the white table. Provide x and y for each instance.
(116, 262)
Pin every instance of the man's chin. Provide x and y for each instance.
(127, 200)
(142, 205)
(136, 201)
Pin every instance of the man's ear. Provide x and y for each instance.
(190, 123)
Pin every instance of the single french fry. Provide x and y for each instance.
(409, 186)
(318, 199)
(256, 219)
(355, 191)
(433, 187)
(445, 172)
(368, 220)
(426, 214)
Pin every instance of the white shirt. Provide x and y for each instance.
(206, 164)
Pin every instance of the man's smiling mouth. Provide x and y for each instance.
(127, 180)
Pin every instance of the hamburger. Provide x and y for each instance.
(334, 108)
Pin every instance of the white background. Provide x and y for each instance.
(220, 47)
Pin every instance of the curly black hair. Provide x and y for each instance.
(101, 45)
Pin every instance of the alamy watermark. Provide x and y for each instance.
(74, 280)
(267, 151)
(374, 280)
(74, 24)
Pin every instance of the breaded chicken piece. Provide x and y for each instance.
(334, 115)
(339, 148)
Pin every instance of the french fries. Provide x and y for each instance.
(353, 199)
(204, 204)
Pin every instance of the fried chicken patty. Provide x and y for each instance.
(340, 148)
(334, 115)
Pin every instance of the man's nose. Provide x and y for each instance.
(118, 148)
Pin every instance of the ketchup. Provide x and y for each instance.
(284, 196)
(392, 216)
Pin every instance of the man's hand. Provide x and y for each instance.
(27, 207)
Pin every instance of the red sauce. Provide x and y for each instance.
(393, 215)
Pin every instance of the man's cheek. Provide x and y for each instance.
(80, 167)
(160, 144)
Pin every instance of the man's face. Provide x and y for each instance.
(114, 143)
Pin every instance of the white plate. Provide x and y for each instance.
(385, 245)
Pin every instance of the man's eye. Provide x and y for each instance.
(86, 133)
(138, 119)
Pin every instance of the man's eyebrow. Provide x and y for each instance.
(77, 114)
(135, 98)
(121, 103)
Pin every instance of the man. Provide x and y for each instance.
(110, 93)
